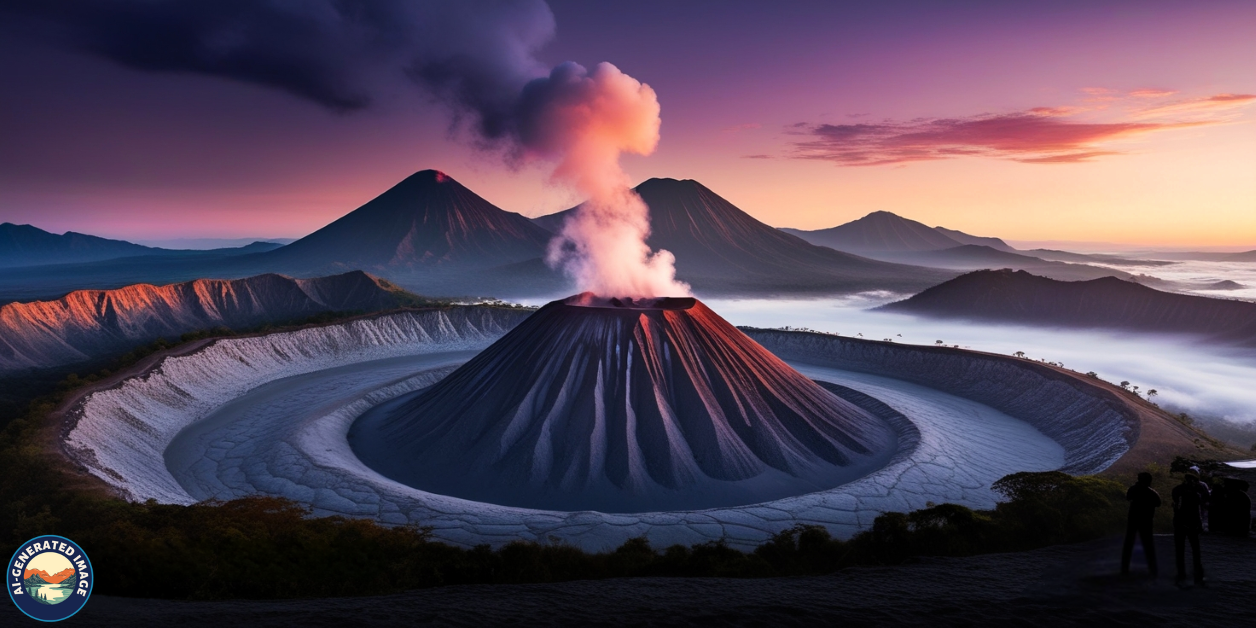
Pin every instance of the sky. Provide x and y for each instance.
(1129, 123)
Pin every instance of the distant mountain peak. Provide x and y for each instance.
(428, 219)
(720, 247)
(27, 245)
(879, 232)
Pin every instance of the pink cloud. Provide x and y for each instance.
(1152, 93)
(1029, 137)
(1210, 106)
(1068, 158)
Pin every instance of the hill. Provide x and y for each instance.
(879, 232)
(24, 245)
(1019, 297)
(88, 324)
(721, 249)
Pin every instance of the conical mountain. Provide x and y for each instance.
(428, 221)
(880, 232)
(721, 249)
(623, 406)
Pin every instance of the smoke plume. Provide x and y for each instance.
(477, 57)
(584, 120)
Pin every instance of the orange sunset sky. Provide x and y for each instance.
(1131, 123)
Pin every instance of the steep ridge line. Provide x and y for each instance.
(118, 434)
(89, 324)
(1099, 427)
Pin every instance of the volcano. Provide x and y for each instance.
(623, 405)
(721, 249)
(428, 220)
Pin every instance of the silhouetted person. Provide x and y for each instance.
(1237, 517)
(1144, 501)
(1188, 503)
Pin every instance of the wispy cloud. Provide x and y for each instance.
(1210, 106)
(760, 156)
(1041, 135)
(1152, 93)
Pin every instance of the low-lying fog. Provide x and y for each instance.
(1207, 382)
(1190, 274)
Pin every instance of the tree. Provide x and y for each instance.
(938, 342)
(1152, 393)
(1019, 354)
(1125, 385)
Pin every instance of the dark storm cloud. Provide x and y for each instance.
(475, 56)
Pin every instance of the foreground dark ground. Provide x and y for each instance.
(1061, 586)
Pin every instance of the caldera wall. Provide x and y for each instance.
(120, 434)
(1094, 426)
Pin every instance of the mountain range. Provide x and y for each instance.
(432, 235)
(721, 249)
(42, 577)
(25, 245)
(1022, 298)
(88, 324)
(889, 237)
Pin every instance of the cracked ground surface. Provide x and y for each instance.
(288, 438)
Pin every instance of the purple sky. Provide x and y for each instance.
(1128, 122)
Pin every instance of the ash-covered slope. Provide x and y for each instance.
(24, 245)
(721, 249)
(426, 221)
(879, 232)
(1019, 297)
(88, 324)
(617, 406)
